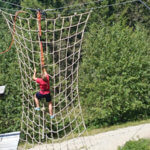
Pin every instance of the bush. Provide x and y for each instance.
(114, 75)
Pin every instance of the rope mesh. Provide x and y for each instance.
(62, 39)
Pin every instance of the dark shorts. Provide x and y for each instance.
(46, 96)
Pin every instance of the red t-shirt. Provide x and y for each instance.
(44, 85)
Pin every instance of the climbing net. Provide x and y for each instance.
(60, 39)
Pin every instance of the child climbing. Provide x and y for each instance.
(44, 91)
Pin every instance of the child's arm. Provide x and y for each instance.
(34, 75)
(44, 71)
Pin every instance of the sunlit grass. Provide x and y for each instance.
(141, 144)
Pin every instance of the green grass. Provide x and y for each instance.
(141, 144)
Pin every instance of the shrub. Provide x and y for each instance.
(114, 75)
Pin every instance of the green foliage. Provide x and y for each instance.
(128, 14)
(114, 75)
(10, 102)
(141, 144)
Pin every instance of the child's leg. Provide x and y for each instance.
(50, 107)
(36, 101)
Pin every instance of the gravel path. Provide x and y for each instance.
(104, 141)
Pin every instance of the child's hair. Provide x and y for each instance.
(44, 77)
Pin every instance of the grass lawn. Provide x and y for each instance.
(141, 144)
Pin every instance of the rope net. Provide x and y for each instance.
(61, 38)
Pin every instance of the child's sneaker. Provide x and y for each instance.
(52, 116)
(37, 108)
